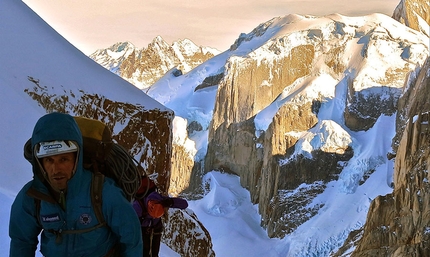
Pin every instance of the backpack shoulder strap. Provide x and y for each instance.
(38, 197)
(142, 206)
(37, 210)
(144, 210)
(96, 195)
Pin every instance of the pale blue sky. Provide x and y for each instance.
(95, 24)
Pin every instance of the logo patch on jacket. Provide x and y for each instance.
(85, 219)
(50, 218)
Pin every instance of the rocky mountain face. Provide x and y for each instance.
(252, 83)
(398, 224)
(414, 14)
(143, 67)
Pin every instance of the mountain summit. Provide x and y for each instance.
(143, 67)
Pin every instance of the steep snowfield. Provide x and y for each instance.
(226, 209)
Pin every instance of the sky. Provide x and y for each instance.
(98, 24)
(226, 209)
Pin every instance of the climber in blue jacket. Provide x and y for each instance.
(57, 202)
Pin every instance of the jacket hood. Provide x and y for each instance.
(56, 126)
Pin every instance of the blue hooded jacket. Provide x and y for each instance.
(123, 226)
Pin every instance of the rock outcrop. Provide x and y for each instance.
(194, 241)
(414, 14)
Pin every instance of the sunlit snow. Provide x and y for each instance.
(226, 209)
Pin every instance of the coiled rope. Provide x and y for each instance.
(125, 170)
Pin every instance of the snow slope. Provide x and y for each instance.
(31, 48)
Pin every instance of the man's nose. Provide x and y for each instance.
(55, 167)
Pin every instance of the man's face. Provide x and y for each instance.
(59, 169)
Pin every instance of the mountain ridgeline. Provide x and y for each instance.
(289, 83)
(143, 67)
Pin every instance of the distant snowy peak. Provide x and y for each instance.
(111, 57)
(297, 29)
(122, 47)
(144, 66)
(158, 43)
(188, 47)
(259, 33)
